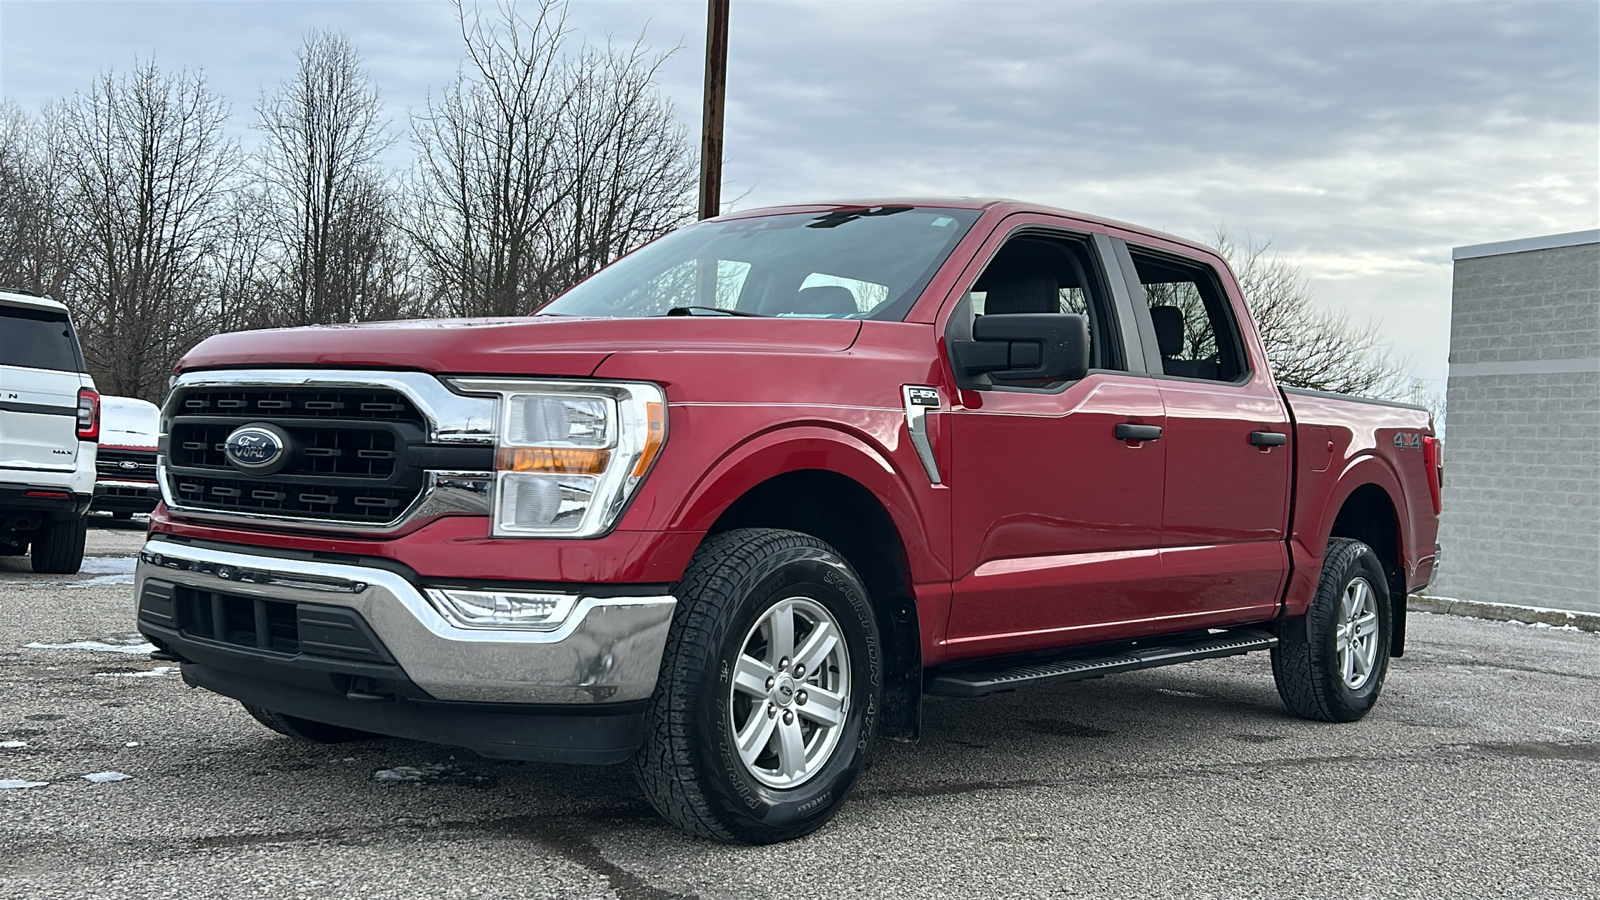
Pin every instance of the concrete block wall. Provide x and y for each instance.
(1521, 520)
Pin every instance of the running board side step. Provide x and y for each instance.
(975, 680)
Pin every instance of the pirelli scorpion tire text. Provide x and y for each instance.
(769, 692)
(305, 729)
(1330, 664)
(58, 546)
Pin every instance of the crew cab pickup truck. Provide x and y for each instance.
(728, 509)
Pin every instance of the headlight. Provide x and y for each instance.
(569, 454)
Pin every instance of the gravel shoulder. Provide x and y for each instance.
(1478, 775)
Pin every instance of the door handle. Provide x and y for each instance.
(1268, 439)
(1127, 431)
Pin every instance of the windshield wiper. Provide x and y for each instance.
(715, 310)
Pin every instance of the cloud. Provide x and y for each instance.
(1366, 139)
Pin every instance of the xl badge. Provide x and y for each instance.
(257, 449)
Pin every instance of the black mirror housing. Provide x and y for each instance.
(1027, 347)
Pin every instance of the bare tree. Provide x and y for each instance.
(535, 168)
(36, 244)
(627, 168)
(323, 131)
(146, 185)
(1309, 346)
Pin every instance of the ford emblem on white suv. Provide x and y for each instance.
(257, 449)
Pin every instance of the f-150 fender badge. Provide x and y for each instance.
(919, 399)
(1406, 440)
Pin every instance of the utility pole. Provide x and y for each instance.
(711, 117)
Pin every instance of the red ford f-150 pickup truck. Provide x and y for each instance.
(731, 507)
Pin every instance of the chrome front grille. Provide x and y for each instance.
(360, 456)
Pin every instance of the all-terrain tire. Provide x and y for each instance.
(307, 730)
(689, 765)
(1307, 664)
(58, 546)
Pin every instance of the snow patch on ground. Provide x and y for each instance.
(12, 784)
(108, 565)
(103, 579)
(1544, 625)
(157, 672)
(129, 643)
(12, 745)
(433, 774)
(105, 777)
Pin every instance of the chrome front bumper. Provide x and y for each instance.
(608, 649)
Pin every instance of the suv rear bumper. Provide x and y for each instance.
(364, 647)
(24, 507)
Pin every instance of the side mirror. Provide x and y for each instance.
(1027, 347)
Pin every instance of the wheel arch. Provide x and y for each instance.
(1368, 513)
(820, 486)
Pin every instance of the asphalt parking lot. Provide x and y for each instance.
(1477, 776)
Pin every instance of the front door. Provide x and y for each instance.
(1057, 520)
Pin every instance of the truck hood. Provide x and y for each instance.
(539, 345)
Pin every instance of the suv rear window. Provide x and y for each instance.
(38, 339)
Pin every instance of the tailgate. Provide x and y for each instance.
(40, 373)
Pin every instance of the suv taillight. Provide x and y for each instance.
(88, 414)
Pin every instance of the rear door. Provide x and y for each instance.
(1227, 435)
(40, 373)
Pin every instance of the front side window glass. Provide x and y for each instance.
(38, 339)
(863, 263)
(1046, 273)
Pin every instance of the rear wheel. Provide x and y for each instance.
(769, 691)
(58, 546)
(1330, 664)
(307, 730)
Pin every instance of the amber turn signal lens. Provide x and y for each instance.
(655, 433)
(557, 460)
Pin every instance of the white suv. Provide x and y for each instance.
(49, 427)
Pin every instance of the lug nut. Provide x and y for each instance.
(800, 670)
(788, 717)
(770, 682)
(783, 663)
(772, 710)
(800, 698)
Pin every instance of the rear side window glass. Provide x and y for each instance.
(38, 339)
(1194, 325)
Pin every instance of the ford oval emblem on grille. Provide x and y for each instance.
(257, 449)
(127, 464)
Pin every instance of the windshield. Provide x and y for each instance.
(38, 339)
(863, 262)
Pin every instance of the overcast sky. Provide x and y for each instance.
(1366, 139)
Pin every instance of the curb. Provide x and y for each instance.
(1504, 612)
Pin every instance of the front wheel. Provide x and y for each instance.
(769, 690)
(1330, 664)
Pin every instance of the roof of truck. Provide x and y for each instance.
(1001, 205)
